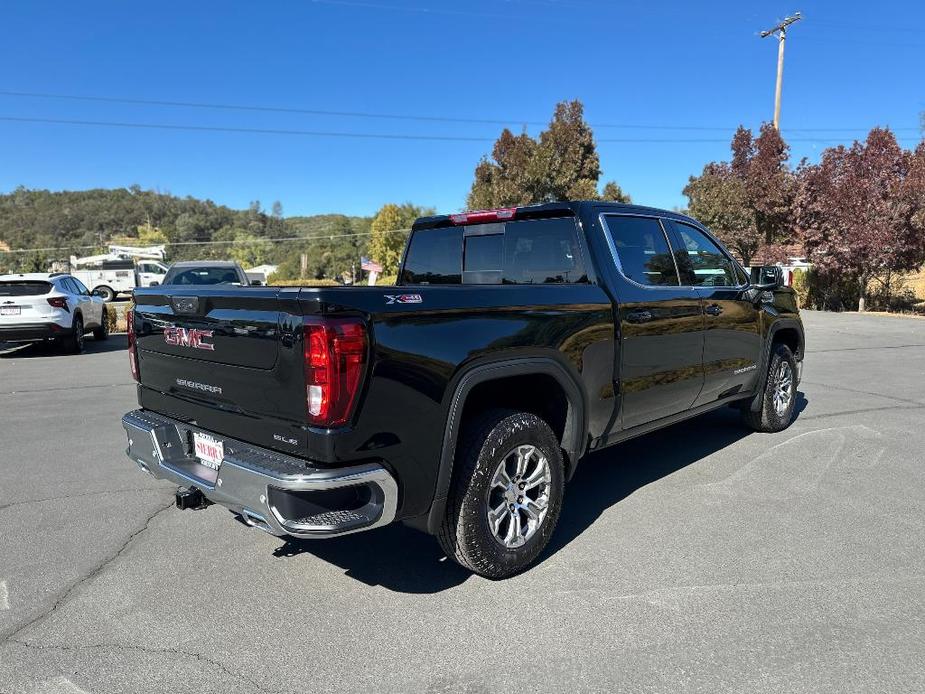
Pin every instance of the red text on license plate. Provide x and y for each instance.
(209, 451)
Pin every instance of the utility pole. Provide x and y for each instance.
(781, 31)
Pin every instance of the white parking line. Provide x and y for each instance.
(4, 596)
(59, 685)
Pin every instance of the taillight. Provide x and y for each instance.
(335, 357)
(482, 216)
(59, 302)
(132, 349)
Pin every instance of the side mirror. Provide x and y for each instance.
(767, 278)
(97, 292)
(256, 283)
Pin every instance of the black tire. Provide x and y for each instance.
(105, 293)
(465, 534)
(74, 343)
(102, 332)
(768, 417)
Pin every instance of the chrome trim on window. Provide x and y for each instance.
(616, 256)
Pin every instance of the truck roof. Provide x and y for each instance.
(537, 211)
(205, 263)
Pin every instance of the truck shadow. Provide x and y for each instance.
(404, 560)
(33, 350)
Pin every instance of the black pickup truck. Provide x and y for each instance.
(461, 400)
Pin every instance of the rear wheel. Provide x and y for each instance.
(777, 402)
(506, 494)
(105, 293)
(102, 332)
(74, 343)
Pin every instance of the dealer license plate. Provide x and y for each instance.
(10, 310)
(209, 451)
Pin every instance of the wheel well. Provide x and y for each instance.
(789, 337)
(539, 394)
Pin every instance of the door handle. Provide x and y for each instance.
(713, 309)
(640, 316)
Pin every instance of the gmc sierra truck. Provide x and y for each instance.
(461, 400)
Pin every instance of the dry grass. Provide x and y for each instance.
(917, 283)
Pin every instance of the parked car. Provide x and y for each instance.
(461, 400)
(205, 272)
(42, 306)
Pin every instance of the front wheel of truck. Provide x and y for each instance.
(777, 402)
(506, 493)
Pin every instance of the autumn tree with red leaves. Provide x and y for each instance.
(861, 210)
(747, 202)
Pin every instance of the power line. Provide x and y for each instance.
(338, 134)
(375, 115)
(229, 129)
(266, 109)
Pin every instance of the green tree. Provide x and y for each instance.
(561, 164)
(718, 199)
(614, 193)
(509, 177)
(150, 235)
(389, 233)
(566, 159)
(386, 238)
(245, 248)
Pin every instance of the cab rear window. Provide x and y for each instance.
(536, 251)
(24, 288)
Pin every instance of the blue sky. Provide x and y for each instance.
(692, 67)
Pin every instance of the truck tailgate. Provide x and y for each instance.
(214, 354)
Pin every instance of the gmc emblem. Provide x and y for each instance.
(188, 337)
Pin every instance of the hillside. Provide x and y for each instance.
(84, 222)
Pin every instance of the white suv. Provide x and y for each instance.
(42, 306)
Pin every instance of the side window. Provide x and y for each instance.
(543, 251)
(434, 256)
(78, 285)
(701, 262)
(67, 285)
(642, 250)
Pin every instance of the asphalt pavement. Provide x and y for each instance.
(703, 558)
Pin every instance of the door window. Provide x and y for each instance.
(702, 263)
(642, 250)
(81, 289)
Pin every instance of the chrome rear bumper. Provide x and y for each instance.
(277, 493)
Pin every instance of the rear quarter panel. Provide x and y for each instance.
(419, 352)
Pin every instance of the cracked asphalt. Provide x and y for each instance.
(698, 559)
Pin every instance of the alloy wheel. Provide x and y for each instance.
(518, 497)
(783, 388)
